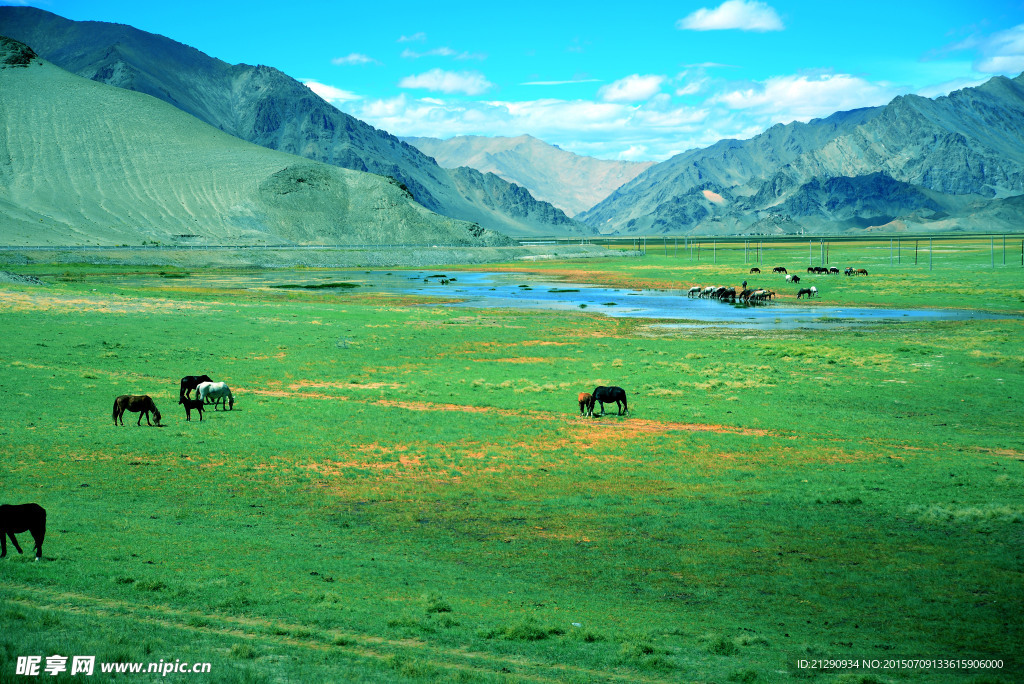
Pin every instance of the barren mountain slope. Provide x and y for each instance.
(569, 181)
(259, 104)
(934, 164)
(86, 163)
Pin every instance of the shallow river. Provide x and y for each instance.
(528, 291)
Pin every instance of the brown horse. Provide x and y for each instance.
(586, 409)
(136, 403)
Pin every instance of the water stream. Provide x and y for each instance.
(530, 291)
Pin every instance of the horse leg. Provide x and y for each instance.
(14, 541)
(38, 533)
(140, 419)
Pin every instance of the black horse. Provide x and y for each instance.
(603, 395)
(189, 383)
(15, 519)
(190, 404)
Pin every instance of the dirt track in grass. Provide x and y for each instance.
(448, 659)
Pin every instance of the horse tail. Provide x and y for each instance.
(115, 411)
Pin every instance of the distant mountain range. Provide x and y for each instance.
(569, 181)
(264, 106)
(952, 163)
(84, 163)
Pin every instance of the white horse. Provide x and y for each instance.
(217, 392)
(694, 291)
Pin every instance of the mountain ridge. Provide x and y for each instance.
(262, 105)
(85, 163)
(935, 163)
(571, 182)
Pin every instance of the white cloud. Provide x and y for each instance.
(635, 153)
(414, 38)
(801, 97)
(1002, 52)
(354, 58)
(745, 15)
(442, 52)
(655, 130)
(466, 82)
(558, 83)
(635, 88)
(691, 85)
(330, 93)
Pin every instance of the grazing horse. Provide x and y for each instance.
(18, 518)
(586, 406)
(755, 270)
(833, 271)
(217, 392)
(779, 269)
(809, 291)
(603, 395)
(189, 383)
(190, 404)
(136, 403)
(860, 271)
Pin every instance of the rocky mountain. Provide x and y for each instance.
(84, 163)
(569, 181)
(263, 105)
(914, 164)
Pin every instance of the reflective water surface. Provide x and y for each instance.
(529, 291)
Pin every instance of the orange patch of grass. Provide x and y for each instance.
(31, 301)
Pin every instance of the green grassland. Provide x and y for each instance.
(406, 491)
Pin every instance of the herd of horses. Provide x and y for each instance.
(207, 392)
(729, 294)
(747, 295)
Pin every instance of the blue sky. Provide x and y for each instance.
(617, 81)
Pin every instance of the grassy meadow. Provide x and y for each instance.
(406, 492)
